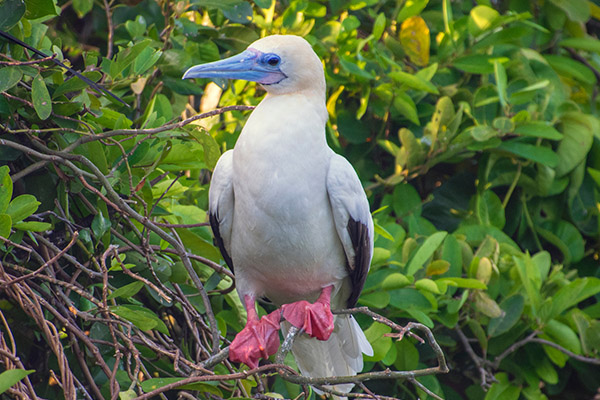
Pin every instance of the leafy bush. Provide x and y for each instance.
(474, 130)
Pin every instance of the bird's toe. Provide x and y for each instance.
(257, 340)
(315, 319)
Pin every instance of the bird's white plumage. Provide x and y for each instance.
(348, 200)
(220, 197)
(283, 202)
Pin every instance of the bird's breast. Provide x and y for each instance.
(283, 232)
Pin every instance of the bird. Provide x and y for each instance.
(290, 215)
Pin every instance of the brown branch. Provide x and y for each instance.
(40, 269)
(152, 131)
(588, 360)
(30, 62)
(215, 378)
(165, 225)
(487, 378)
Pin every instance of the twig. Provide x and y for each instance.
(165, 225)
(588, 360)
(486, 377)
(40, 269)
(152, 131)
(423, 388)
(214, 378)
(10, 242)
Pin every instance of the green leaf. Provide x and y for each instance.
(489, 210)
(530, 279)
(40, 8)
(11, 12)
(33, 226)
(413, 81)
(500, 76)
(127, 291)
(378, 300)
(566, 237)
(238, 11)
(353, 68)
(406, 200)
(75, 84)
(563, 335)
(408, 356)
(594, 173)
(146, 59)
(210, 145)
(543, 155)
(127, 56)
(420, 316)
(582, 43)
(395, 280)
(437, 267)
(82, 7)
(5, 225)
(11, 377)
(381, 344)
(577, 129)
(475, 64)
(513, 308)
(410, 8)
(155, 383)
(379, 26)
(406, 106)
(351, 128)
(9, 77)
(486, 305)
(427, 285)
(481, 133)
(543, 368)
(22, 207)
(571, 68)
(141, 317)
(100, 225)
(479, 333)
(576, 10)
(425, 251)
(6, 188)
(467, 283)
(127, 395)
(41, 98)
(573, 293)
(538, 129)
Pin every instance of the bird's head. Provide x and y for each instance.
(281, 63)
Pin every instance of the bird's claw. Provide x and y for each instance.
(315, 319)
(259, 339)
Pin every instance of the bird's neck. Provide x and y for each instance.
(304, 101)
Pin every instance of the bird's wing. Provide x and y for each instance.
(220, 204)
(353, 221)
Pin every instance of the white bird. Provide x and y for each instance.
(290, 214)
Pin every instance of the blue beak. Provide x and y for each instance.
(250, 65)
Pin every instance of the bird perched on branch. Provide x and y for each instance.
(290, 215)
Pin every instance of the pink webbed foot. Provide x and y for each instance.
(315, 319)
(259, 339)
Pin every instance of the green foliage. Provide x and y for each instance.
(474, 130)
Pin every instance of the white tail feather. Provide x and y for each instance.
(340, 355)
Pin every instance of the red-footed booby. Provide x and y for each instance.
(290, 214)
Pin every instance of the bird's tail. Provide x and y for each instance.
(340, 355)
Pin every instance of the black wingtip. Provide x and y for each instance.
(94, 85)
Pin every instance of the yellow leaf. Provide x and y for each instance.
(595, 10)
(414, 36)
(481, 18)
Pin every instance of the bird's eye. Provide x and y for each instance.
(272, 59)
